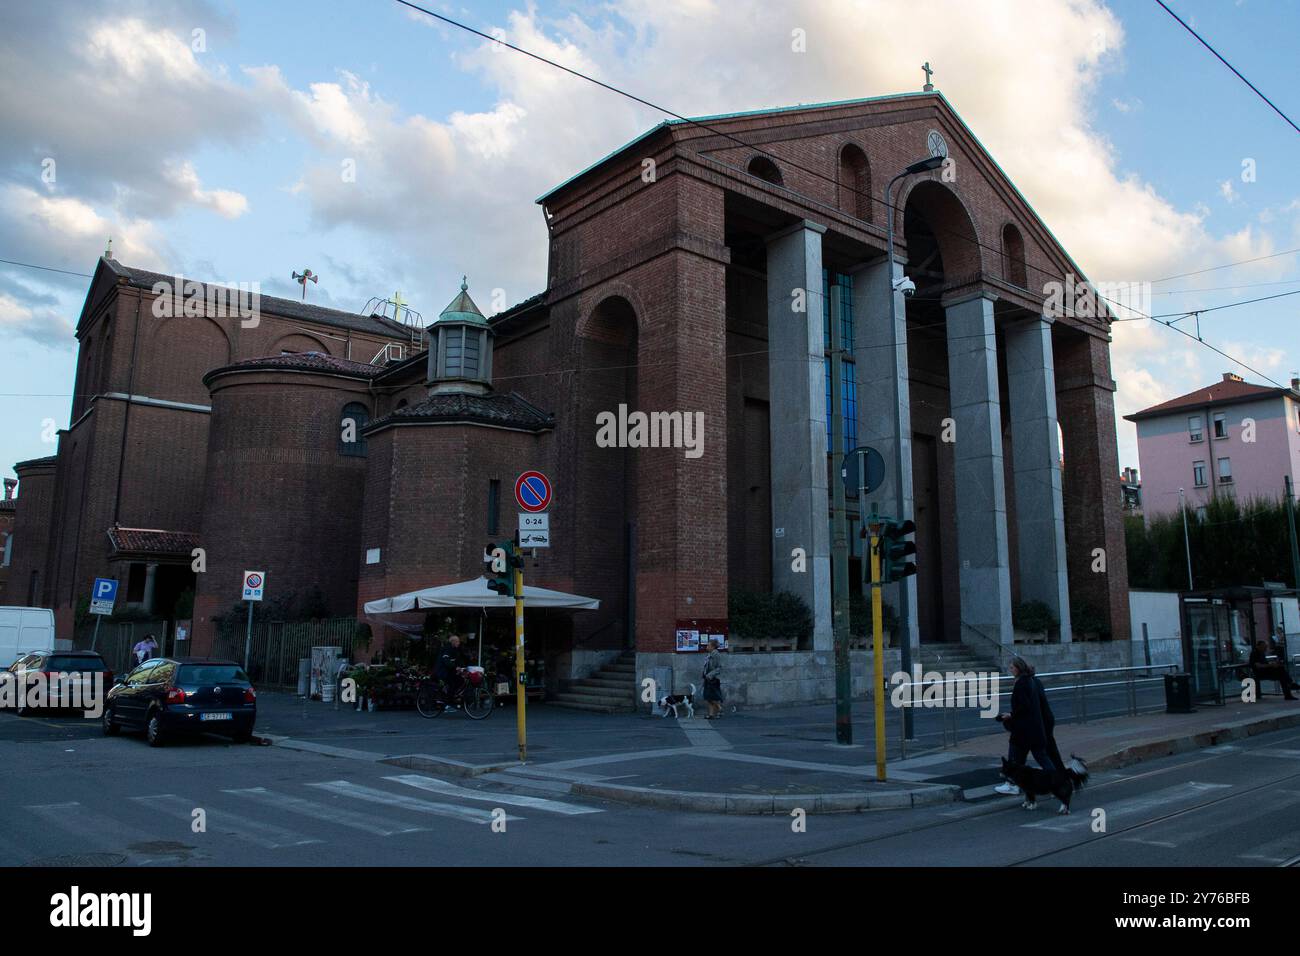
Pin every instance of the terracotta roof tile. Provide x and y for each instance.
(1219, 393)
(153, 541)
(505, 409)
(304, 361)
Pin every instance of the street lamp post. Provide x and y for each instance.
(904, 611)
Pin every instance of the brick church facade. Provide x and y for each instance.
(674, 264)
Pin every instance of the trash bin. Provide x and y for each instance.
(1178, 694)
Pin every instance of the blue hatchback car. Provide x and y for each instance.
(170, 696)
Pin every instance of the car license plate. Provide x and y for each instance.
(214, 717)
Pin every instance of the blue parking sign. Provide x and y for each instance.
(103, 596)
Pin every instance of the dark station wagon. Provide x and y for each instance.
(169, 696)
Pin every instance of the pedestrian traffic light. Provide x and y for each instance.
(497, 568)
(499, 563)
(894, 551)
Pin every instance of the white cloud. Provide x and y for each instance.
(42, 325)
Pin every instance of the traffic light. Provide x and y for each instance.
(499, 563)
(894, 551)
(496, 568)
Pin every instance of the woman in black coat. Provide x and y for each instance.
(1025, 722)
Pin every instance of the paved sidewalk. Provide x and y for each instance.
(763, 761)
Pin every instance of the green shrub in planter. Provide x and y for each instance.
(769, 618)
(1086, 619)
(860, 617)
(1035, 617)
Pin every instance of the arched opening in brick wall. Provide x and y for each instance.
(942, 256)
(1013, 256)
(765, 169)
(855, 182)
(192, 347)
(607, 475)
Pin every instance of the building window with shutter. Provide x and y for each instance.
(1194, 428)
(353, 419)
(1198, 474)
(1225, 471)
(1220, 426)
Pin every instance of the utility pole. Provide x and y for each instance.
(900, 501)
(840, 540)
(877, 647)
(1290, 526)
(521, 690)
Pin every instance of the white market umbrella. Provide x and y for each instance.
(475, 593)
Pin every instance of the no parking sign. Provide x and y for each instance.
(533, 491)
(254, 582)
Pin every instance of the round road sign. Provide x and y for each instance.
(533, 491)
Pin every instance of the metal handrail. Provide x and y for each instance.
(1080, 687)
(1093, 670)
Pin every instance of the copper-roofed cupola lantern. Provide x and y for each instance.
(460, 348)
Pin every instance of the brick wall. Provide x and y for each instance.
(279, 495)
(31, 530)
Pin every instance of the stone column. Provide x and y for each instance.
(883, 399)
(1094, 515)
(150, 574)
(1036, 456)
(797, 397)
(984, 566)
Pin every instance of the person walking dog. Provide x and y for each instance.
(713, 682)
(1025, 722)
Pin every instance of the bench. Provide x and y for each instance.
(1239, 671)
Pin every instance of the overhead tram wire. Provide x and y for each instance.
(1226, 265)
(32, 265)
(1140, 317)
(890, 208)
(699, 124)
(1220, 58)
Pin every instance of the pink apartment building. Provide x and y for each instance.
(1230, 438)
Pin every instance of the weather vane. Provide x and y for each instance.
(302, 280)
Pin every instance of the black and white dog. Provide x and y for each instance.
(1034, 782)
(670, 703)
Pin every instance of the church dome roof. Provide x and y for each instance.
(463, 309)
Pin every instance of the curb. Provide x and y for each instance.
(699, 802)
(1206, 738)
(445, 765)
(441, 765)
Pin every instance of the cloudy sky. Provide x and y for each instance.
(210, 138)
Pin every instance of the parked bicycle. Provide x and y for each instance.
(474, 696)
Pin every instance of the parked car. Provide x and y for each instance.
(24, 630)
(78, 666)
(169, 696)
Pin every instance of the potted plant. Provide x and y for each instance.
(1034, 622)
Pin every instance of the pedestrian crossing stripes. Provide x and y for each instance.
(378, 826)
(434, 785)
(102, 830)
(357, 791)
(221, 821)
(164, 823)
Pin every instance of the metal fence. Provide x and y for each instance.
(116, 638)
(1075, 696)
(277, 646)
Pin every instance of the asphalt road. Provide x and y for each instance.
(70, 795)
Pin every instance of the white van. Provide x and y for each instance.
(24, 630)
